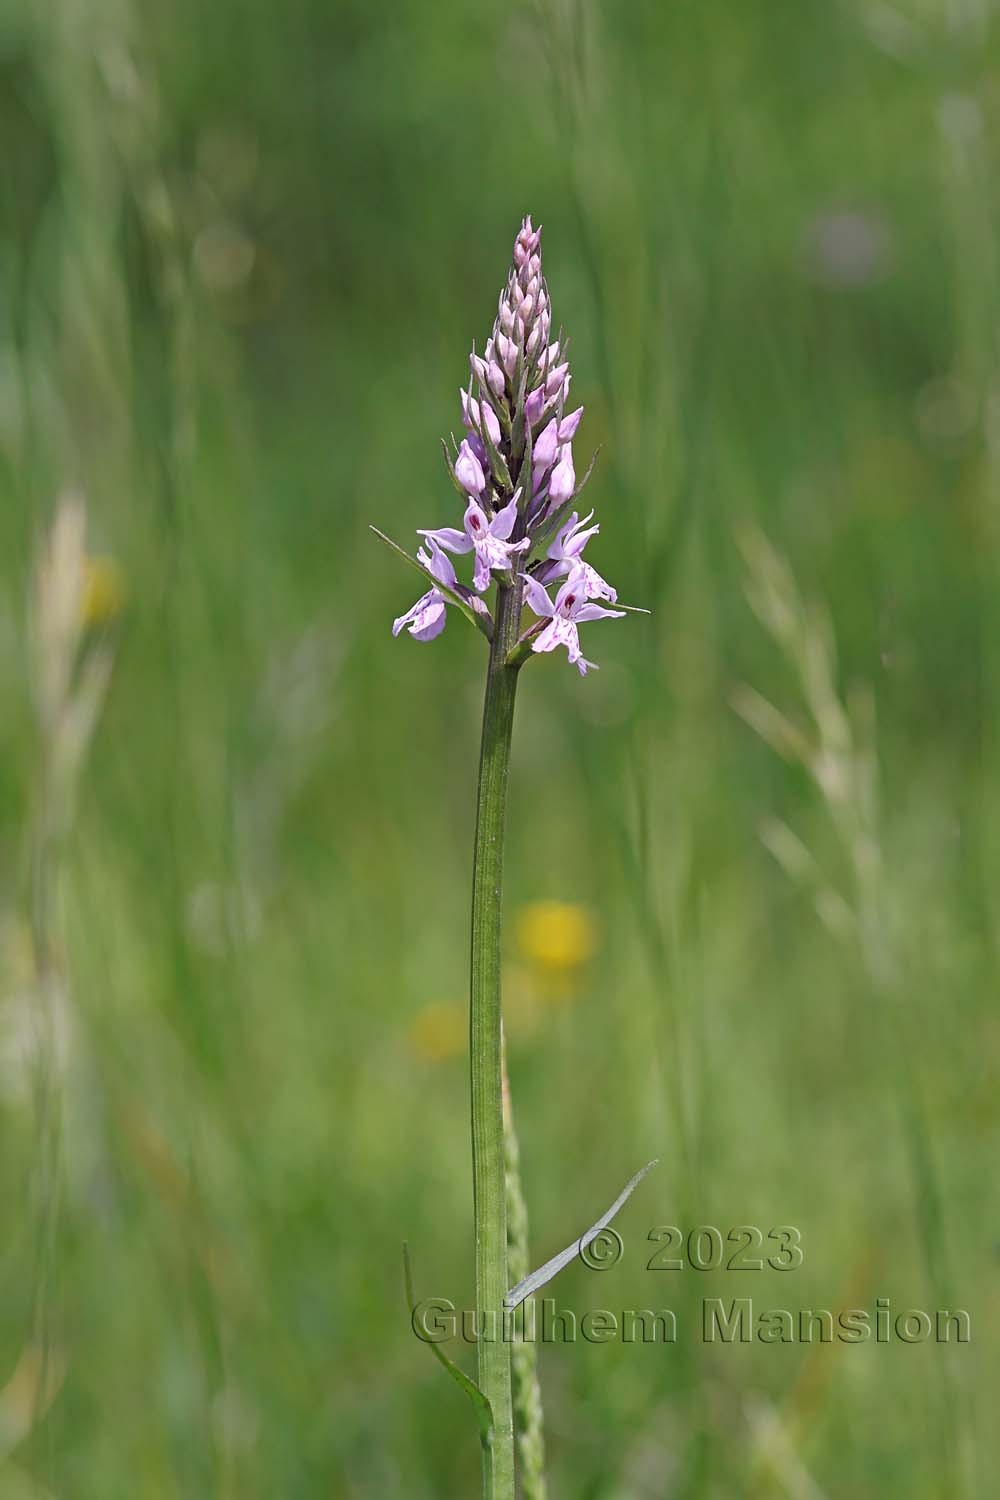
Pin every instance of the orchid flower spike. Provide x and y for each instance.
(571, 608)
(515, 469)
(488, 539)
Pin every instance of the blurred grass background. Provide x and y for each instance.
(244, 252)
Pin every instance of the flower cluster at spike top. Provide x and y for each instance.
(514, 470)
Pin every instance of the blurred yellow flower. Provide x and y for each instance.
(439, 1031)
(558, 936)
(104, 591)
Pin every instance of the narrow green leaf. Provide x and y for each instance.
(590, 470)
(484, 1414)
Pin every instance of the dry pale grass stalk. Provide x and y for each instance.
(71, 665)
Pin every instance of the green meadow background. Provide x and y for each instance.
(244, 252)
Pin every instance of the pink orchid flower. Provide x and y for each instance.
(489, 539)
(427, 618)
(565, 553)
(570, 609)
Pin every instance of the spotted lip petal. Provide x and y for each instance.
(570, 608)
(426, 619)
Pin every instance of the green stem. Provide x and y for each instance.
(485, 1046)
(524, 1352)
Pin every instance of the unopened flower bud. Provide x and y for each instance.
(469, 469)
(474, 414)
(563, 481)
(546, 443)
(507, 351)
(555, 378)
